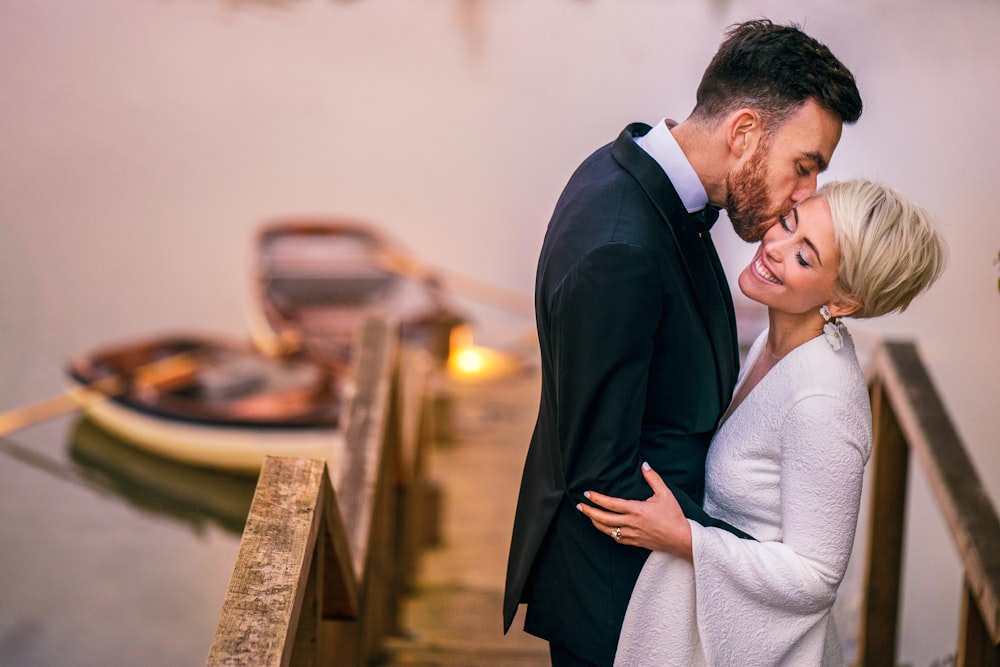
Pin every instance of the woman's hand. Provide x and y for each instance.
(656, 523)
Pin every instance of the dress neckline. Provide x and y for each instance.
(756, 352)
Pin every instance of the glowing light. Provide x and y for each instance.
(474, 361)
(468, 361)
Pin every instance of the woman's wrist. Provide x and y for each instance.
(684, 546)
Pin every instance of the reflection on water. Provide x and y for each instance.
(194, 496)
(112, 467)
(108, 557)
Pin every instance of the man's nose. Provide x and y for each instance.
(805, 188)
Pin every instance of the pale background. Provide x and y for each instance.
(143, 141)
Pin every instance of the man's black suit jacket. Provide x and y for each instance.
(639, 358)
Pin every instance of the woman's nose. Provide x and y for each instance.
(773, 248)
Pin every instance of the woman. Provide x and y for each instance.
(786, 464)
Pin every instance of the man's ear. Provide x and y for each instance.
(743, 131)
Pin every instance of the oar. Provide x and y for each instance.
(177, 369)
(410, 266)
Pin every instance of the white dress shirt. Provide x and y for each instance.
(660, 144)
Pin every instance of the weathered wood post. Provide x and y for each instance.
(910, 416)
(890, 466)
(314, 581)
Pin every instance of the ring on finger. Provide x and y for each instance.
(616, 533)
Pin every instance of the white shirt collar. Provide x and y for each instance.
(660, 144)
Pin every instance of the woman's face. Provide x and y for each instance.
(795, 268)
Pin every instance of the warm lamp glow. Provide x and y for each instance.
(460, 337)
(468, 361)
(473, 361)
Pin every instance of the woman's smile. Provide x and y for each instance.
(761, 270)
(795, 268)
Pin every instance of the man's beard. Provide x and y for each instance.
(748, 199)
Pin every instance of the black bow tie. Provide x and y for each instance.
(705, 218)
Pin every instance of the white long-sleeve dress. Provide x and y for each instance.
(786, 466)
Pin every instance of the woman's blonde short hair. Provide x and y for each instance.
(889, 249)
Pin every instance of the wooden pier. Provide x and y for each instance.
(396, 555)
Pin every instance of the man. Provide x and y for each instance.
(635, 320)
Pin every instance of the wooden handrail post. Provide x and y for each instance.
(275, 570)
(975, 646)
(314, 579)
(890, 459)
(909, 415)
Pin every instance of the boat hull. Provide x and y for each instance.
(237, 449)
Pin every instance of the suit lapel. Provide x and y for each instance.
(701, 263)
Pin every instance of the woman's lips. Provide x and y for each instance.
(761, 270)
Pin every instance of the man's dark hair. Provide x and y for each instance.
(775, 69)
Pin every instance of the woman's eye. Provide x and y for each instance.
(785, 224)
(802, 260)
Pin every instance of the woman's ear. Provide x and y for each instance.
(844, 305)
(743, 132)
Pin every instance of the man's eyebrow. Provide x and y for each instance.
(817, 158)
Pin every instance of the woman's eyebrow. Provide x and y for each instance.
(795, 212)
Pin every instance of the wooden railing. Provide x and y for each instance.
(909, 416)
(327, 549)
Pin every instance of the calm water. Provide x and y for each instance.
(143, 142)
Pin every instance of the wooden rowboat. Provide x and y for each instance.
(231, 407)
(316, 280)
(227, 404)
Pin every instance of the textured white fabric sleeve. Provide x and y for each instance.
(746, 590)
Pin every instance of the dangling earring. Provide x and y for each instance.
(831, 329)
